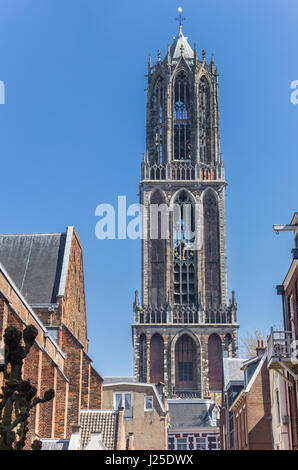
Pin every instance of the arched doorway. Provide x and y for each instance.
(156, 359)
(186, 363)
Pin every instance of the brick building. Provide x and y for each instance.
(282, 355)
(42, 283)
(251, 407)
(184, 322)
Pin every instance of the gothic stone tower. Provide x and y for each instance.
(184, 324)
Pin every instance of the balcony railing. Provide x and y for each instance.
(186, 314)
(280, 346)
(182, 171)
(187, 393)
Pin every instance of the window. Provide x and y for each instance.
(183, 253)
(201, 443)
(148, 403)
(182, 138)
(204, 121)
(181, 444)
(185, 371)
(124, 400)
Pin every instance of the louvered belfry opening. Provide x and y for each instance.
(204, 121)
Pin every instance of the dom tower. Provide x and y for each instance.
(184, 323)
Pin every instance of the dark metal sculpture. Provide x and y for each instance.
(18, 396)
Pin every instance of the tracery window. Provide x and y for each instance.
(182, 137)
(183, 252)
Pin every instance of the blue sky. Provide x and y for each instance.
(72, 132)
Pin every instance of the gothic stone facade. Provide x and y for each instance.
(184, 322)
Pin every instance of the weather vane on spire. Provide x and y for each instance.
(180, 19)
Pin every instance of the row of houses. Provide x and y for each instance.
(259, 408)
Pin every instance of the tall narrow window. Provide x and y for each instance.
(184, 255)
(156, 359)
(158, 254)
(215, 363)
(186, 363)
(211, 249)
(157, 107)
(182, 137)
(204, 121)
(143, 358)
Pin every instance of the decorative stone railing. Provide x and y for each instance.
(184, 314)
(187, 393)
(181, 171)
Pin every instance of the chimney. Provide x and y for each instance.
(261, 348)
(121, 440)
(131, 441)
(75, 429)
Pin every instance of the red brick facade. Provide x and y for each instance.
(65, 367)
(252, 412)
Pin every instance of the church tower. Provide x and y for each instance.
(184, 323)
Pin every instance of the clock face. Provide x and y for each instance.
(182, 251)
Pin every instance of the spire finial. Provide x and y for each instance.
(180, 19)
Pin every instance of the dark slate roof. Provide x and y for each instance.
(232, 369)
(190, 413)
(104, 422)
(34, 263)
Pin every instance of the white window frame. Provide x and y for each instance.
(123, 401)
(198, 444)
(182, 439)
(145, 403)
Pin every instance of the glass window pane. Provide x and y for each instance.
(181, 444)
(128, 406)
(148, 403)
(118, 400)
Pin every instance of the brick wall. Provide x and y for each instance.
(73, 303)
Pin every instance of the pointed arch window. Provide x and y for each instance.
(186, 363)
(211, 249)
(157, 106)
(183, 252)
(182, 138)
(204, 121)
